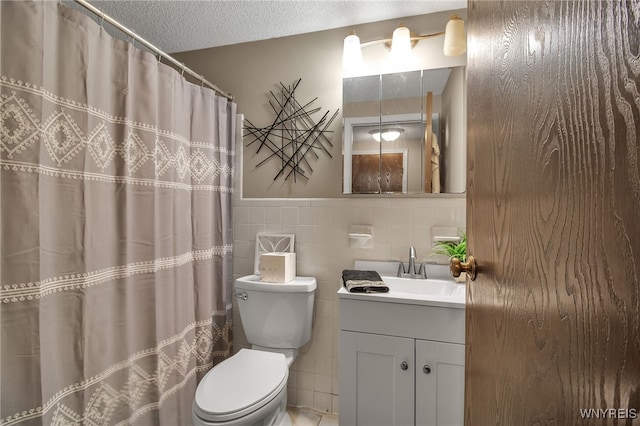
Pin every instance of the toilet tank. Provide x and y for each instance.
(276, 315)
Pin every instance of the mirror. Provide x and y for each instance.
(405, 133)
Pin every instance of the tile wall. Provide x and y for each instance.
(321, 227)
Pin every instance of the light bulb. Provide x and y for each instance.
(352, 54)
(401, 43)
(391, 135)
(455, 38)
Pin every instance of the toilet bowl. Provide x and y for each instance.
(250, 388)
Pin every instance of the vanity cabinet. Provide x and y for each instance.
(439, 383)
(401, 364)
(374, 388)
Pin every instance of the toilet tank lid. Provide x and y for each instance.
(296, 285)
(247, 379)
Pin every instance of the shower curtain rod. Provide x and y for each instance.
(104, 17)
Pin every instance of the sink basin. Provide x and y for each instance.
(425, 286)
(415, 291)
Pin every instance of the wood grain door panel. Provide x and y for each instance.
(553, 211)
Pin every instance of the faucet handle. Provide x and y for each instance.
(401, 270)
(422, 271)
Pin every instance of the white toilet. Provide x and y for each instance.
(250, 388)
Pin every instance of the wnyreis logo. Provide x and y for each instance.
(609, 413)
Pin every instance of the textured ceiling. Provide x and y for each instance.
(176, 26)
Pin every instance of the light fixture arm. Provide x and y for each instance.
(422, 37)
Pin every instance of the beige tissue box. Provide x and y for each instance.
(277, 267)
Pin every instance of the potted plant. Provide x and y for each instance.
(453, 249)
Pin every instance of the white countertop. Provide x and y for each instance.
(411, 291)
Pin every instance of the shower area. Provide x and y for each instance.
(116, 236)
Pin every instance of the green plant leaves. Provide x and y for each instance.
(452, 249)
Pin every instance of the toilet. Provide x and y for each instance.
(250, 388)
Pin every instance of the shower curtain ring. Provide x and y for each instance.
(102, 19)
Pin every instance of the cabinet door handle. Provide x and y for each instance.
(404, 365)
(426, 369)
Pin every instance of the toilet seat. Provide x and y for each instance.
(240, 385)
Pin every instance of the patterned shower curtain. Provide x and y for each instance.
(115, 201)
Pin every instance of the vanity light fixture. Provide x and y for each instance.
(402, 41)
(388, 134)
(455, 38)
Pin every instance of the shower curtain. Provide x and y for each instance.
(115, 201)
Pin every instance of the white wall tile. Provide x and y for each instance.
(305, 234)
(335, 404)
(290, 215)
(243, 249)
(254, 228)
(421, 217)
(322, 383)
(381, 217)
(305, 398)
(324, 366)
(322, 402)
(241, 232)
(241, 214)
(324, 310)
(291, 381)
(292, 396)
(307, 362)
(324, 216)
(306, 216)
(444, 216)
(256, 215)
(461, 217)
(305, 381)
(274, 228)
(273, 215)
(401, 218)
(361, 216)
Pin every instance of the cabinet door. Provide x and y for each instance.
(375, 386)
(439, 383)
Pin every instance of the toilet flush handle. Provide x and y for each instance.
(243, 295)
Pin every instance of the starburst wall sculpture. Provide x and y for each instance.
(293, 136)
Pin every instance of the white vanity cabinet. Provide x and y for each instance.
(439, 383)
(374, 389)
(400, 363)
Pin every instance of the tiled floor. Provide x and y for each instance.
(306, 417)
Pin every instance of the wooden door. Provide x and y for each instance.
(439, 383)
(376, 389)
(553, 212)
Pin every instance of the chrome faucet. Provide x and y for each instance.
(411, 272)
(411, 269)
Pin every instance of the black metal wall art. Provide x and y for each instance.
(294, 135)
